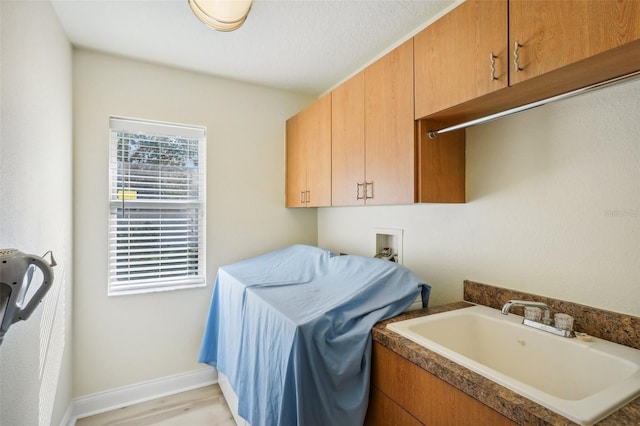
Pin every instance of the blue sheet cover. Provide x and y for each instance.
(291, 331)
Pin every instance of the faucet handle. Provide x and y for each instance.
(533, 313)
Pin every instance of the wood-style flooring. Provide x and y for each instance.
(199, 407)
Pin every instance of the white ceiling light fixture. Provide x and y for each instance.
(222, 15)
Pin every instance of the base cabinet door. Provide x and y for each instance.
(425, 397)
(383, 411)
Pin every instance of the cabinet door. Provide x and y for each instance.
(552, 33)
(461, 56)
(347, 143)
(295, 165)
(316, 133)
(426, 397)
(389, 127)
(383, 411)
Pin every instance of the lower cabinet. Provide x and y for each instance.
(404, 394)
(383, 411)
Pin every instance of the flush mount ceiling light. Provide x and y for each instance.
(222, 15)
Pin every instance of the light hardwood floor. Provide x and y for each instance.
(199, 407)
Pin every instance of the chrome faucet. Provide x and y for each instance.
(547, 312)
(546, 320)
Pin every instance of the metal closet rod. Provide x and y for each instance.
(628, 77)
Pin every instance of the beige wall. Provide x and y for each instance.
(129, 339)
(36, 206)
(553, 208)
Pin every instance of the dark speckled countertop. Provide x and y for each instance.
(511, 404)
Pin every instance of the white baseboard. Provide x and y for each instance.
(100, 402)
(68, 419)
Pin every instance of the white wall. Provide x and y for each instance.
(129, 339)
(553, 208)
(36, 206)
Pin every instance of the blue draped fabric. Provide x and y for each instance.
(291, 331)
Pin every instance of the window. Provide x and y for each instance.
(157, 206)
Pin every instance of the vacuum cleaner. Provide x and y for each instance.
(16, 275)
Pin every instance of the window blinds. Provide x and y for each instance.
(157, 203)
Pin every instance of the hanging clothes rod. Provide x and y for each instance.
(625, 78)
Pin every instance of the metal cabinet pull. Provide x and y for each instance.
(307, 196)
(303, 197)
(368, 194)
(358, 196)
(516, 57)
(492, 59)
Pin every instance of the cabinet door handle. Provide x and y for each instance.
(368, 194)
(358, 196)
(303, 197)
(516, 57)
(492, 59)
(307, 196)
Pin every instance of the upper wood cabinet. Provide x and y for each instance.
(390, 159)
(373, 141)
(481, 58)
(348, 143)
(461, 56)
(377, 157)
(308, 156)
(296, 165)
(551, 34)
(317, 130)
(561, 46)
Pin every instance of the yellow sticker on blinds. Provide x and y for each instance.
(127, 194)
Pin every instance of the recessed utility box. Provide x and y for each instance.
(388, 244)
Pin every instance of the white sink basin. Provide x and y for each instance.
(583, 381)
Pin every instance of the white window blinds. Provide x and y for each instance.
(157, 206)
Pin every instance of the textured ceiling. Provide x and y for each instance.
(299, 45)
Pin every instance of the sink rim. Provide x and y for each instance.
(584, 411)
